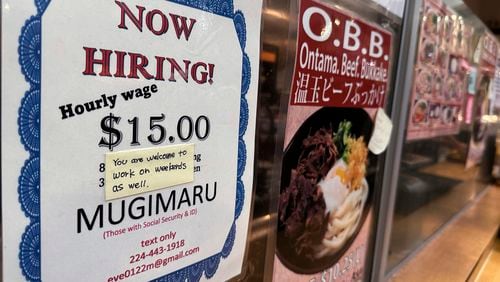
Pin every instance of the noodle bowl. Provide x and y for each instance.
(325, 190)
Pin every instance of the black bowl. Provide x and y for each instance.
(362, 125)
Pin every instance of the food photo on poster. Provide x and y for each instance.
(324, 173)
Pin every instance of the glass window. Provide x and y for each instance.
(445, 159)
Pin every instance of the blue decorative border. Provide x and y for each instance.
(29, 130)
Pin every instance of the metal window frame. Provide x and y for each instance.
(400, 108)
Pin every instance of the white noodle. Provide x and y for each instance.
(344, 221)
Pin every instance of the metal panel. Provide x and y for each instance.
(404, 77)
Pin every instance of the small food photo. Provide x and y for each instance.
(447, 28)
(447, 115)
(420, 112)
(435, 113)
(431, 21)
(428, 51)
(454, 65)
(438, 85)
(443, 58)
(460, 91)
(458, 39)
(424, 82)
(456, 113)
(451, 89)
(325, 194)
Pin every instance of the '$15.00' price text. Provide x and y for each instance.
(187, 127)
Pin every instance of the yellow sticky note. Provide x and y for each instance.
(144, 170)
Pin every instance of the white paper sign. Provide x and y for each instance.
(84, 78)
(381, 133)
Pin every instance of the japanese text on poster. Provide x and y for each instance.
(341, 61)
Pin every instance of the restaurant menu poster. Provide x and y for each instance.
(439, 86)
(128, 134)
(341, 75)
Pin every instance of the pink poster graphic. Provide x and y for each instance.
(327, 182)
